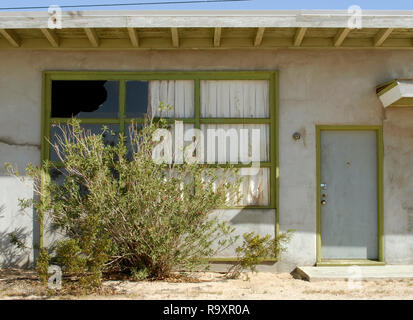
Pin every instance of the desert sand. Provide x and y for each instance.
(212, 286)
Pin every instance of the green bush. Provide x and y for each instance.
(42, 265)
(119, 211)
(255, 249)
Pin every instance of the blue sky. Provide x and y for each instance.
(247, 5)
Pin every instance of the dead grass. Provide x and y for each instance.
(18, 284)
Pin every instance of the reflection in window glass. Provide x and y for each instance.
(85, 99)
(137, 99)
(56, 132)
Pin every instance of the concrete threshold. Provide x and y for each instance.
(387, 272)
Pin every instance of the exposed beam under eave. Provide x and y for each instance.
(341, 36)
(217, 36)
(299, 36)
(11, 37)
(259, 36)
(382, 36)
(51, 36)
(207, 43)
(133, 36)
(175, 37)
(92, 36)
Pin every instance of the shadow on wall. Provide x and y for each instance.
(244, 220)
(254, 217)
(14, 252)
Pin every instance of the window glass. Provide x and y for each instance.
(137, 102)
(254, 187)
(236, 143)
(234, 99)
(145, 98)
(97, 102)
(179, 94)
(179, 142)
(85, 99)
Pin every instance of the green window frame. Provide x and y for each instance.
(197, 120)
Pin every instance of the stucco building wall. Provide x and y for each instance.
(315, 87)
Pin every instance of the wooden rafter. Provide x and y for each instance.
(259, 36)
(92, 36)
(133, 36)
(299, 36)
(341, 36)
(11, 37)
(175, 37)
(213, 37)
(382, 36)
(217, 36)
(51, 36)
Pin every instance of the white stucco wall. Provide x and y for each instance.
(315, 86)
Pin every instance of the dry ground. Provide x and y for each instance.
(23, 285)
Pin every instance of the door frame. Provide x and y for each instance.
(380, 233)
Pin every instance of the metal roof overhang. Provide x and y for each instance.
(206, 30)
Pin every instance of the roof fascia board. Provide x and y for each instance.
(191, 19)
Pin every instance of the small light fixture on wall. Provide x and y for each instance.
(296, 136)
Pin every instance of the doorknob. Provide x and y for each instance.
(323, 202)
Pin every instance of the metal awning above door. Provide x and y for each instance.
(396, 93)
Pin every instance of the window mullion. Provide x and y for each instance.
(85, 120)
(46, 120)
(122, 103)
(197, 104)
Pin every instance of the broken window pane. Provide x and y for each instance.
(85, 99)
(56, 132)
(137, 105)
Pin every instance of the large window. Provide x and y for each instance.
(223, 101)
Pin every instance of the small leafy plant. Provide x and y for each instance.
(255, 249)
(42, 265)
